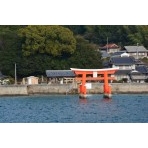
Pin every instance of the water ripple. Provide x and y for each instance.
(123, 108)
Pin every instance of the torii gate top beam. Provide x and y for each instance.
(91, 71)
(94, 70)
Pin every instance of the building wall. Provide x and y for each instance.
(112, 50)
(32, 80)
(120, 77)
(140, 55)
(124, 67)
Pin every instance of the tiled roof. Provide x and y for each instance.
(117, 53)
(122, 60)
(142, 69)
(59, 73)
(112, 45)
(105, 54)
(136, 75)
(139, 62)
(135, 49)
(122, 72)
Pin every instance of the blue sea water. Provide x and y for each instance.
(122, 108)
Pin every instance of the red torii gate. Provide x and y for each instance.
(94, 74)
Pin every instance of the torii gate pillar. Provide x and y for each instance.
(97, 73)
(107, 87)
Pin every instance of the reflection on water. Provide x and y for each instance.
(72, 109)
(107, 100)
(83, 100)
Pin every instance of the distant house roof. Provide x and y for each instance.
(122, 72)
(122, 60)
(59, 73)
(135, 49)
(105, 54)
(117, 53)
(142, 69)
(139, 62)
(110, 46)
(136, 75)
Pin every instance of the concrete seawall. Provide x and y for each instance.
(10, 90)
(121, 88)
(97, 88)
(49, 89)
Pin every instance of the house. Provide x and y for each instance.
(142, 69)
(110, 48)
(60, 76)
(123, 62)
(119, 54)
(136, 51)
(129, 69)
(137, 76)
(122, 74)
(104, 54)
(30, 80)
(139, 62)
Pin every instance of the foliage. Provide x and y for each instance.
(77, 29)
(145, 60)
(124, 80)
(119, 34)
(9, 45)
(53, 40)
(86, 56)
(35, 49)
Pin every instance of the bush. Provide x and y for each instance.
(11, 80)
(124, 80)
(146, 80)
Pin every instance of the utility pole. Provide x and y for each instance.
(15, 75)
(137, 51)
(107, 44)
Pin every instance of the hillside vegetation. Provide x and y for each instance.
(35, 49)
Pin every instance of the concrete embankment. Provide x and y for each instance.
(96, 88)
(121, 88)
(49, 89)
(10, 90)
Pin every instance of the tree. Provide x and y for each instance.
(55, 47)
(9, 45)
(139, 35)
(76, 29)
(53, 40)
(85, 56)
